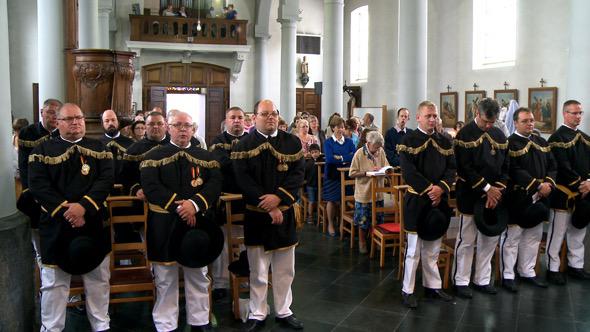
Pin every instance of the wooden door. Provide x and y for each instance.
(215, 113)
(306, 100)
(157, 98)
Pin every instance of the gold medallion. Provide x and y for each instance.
(493, 152)
(85, 169)
(196, 182)
(282, 167)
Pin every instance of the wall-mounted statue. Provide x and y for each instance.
(304, 78)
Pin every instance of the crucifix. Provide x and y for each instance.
(475, 86)
(542, 81)
(506, 85)
(448, 88)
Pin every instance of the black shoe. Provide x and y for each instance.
(536, 281)
(290, 322)
(438, 294)
(201, 328)
(464, 292)
(578, 273)
(556, 278)
(253, 325)
(219, 293)
(409, 300)
(486, 289)
(510, 285)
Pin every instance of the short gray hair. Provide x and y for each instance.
(375, 137)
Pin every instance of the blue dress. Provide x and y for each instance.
(331, 189)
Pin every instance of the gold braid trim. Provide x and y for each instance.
(116, 145)
(477, 142)
(267, 146)
(66, 155)
(175, 157)
(224, 146)
(32, 144)
(563, 145)
(139, 157)
(525, 150)
(410, 150)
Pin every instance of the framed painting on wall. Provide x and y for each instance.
(503, 97)
(449, 110)
(471, 99)
(543, 104)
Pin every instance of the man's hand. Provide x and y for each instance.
(435, 194)
(186, 211)
(277, 216)
(269, 202)
(544, 189)
(75, 214)
(584, 188)
(493, 197)
(139, 194)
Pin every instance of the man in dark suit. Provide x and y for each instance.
(394, 135)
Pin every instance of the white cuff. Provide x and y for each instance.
(487, 187)
(195, 205)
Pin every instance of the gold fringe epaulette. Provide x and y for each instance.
(563, 145)
(32, 144)
(525, 150)
(224, 146)
(175, 157)
(477, 142)
(66, 155)
(267, 146)
(116, 145)
(139, 157)
(410, 150)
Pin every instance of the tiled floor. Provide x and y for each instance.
(337, 289)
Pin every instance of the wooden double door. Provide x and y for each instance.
(307, 100)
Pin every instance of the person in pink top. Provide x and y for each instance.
(306, 138)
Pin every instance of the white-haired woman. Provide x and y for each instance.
(370, 157)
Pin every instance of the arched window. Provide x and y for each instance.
(494, 33)
(359, 44)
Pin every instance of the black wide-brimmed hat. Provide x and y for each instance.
(78, 255)
(27, 205)
(533, 215)
(198, 246)
(490, 222)
(434, 221)
(581, 214)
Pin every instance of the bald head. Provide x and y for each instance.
(266, 117)
(110, 123)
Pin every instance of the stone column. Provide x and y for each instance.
(578, 72)
(288, 68)
(333, 59)
(413, 33)
(50, 41)
(16, 283)
(261, 68)
(103, 28)
(88, 29)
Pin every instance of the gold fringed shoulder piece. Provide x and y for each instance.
(477, 142)
(116, 145)
(564, 145)
(410, 150)
(32, 144)
(66, 155)
(139, 157)
(267, 146)
(224, 146)
(525, 150)
(175, 157)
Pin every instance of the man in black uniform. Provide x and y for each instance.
(394, 135)
(481, 151)
(156, 136)
(221, 148)
(28, 139)
(181, 182)
(428, 167)
(114, 141)
(269, 167)
(571, 148)
(70, 176)
(532, 178)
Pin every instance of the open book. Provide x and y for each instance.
(382, 171)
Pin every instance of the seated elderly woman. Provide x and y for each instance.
(370, 157)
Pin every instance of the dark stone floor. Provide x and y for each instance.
(336, 289)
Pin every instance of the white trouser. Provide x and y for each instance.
(464, 246)
(522, 245)
(283, 272)
(219, 271)
(55, 288)
(561, 227)
(428, 251)
(36, 240)
(196, 293)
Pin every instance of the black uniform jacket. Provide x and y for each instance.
(118, 146)
(132, 158)
(221, 147)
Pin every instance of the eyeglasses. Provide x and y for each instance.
(268, 114)
(580, 113)
(181, 126)
(155, 124)
(71, 119)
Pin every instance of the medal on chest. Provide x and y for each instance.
(493, 152)
(282, 166)
(197, 180)
(85, 170)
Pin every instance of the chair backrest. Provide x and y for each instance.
(391, 186)
(320, 167)
(346, 197)
(137, 216)
(233, 241)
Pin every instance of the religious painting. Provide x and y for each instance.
(543, 104)
(503, 97)
(471, 99)
(449, 112)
